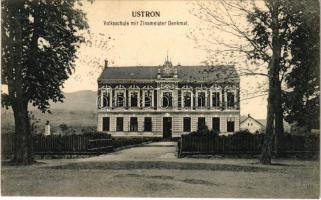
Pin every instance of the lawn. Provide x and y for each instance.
(164, 178)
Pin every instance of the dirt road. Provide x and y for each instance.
(154, 171)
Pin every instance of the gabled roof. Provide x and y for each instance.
(220, 73)
(249, 117)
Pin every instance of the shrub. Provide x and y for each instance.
(203, 130)
(243, 133)
(214, 132)
(63, 127)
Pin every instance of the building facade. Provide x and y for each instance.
(167, 100)
(252, 125)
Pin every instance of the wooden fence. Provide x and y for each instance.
(57, 144)
(242, 144)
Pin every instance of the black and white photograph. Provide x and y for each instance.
(160, 98)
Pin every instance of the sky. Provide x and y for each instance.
(135, 45)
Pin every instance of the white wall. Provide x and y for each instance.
(251, 125)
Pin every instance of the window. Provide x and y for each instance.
(134, 99)
(167, 99)
(133, 124)
(187, 124)
(148, 99)
(216, 124)
(105, 123)
(187, 99)
(230, 99)
(216, 99)
(105, 100)
(201, 122)
(120, 100)
(148, 124)
(201, 99)
(119, 124)
(230, 125)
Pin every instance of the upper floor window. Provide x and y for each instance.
(215, 99)
(187, 99)
(134, 99)
(148, 99)
(230, 99)
(120, 99)
(201, 99)
(104, 102)
(167, 100)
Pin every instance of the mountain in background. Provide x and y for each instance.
(84, 100)
(77, 110)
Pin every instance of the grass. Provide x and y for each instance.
(297, 179)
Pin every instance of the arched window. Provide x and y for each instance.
(167, 100)
(216, 99)
(106, 102)
(120, 99)
(148, 99)
(187, 99)
(134, 99)
(230, 99)
(201, 99)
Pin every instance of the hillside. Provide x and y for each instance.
(84, 100)
(77, 110)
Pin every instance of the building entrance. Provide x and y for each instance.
(167, 127)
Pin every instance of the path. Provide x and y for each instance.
(153, 170)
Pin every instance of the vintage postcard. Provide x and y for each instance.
(190, 99)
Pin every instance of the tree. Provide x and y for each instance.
(63, 127)
(301, 103)
(265, 37)
(270, 32)
(39, 42)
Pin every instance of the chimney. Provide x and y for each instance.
(106, 63)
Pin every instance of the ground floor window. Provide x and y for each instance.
(133, 124)
(216, 124)
(148, 124)
(201, 122)
(119, 124)
(230, 125)
(105, 123)
(187, 124)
